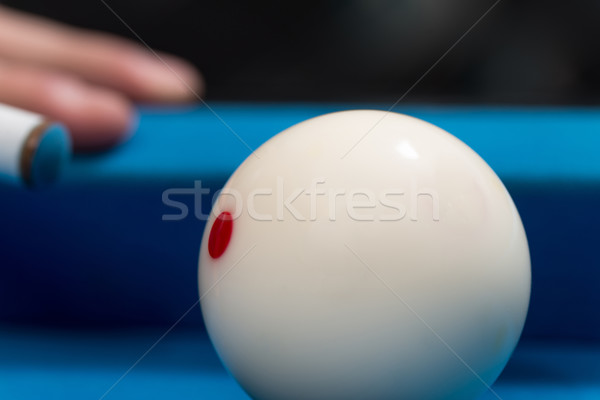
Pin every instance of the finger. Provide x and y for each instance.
(99, 58)
(97, 118)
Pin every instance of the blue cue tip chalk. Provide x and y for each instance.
(45, 155)
(33, 150)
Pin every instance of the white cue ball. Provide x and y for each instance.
(364, 255)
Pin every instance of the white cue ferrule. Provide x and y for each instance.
(32, 150)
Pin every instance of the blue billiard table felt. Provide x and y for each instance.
(66, 364)
(532, 144)
(109, 272)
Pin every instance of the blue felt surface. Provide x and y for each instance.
(95, 251)
(543, 144)
(51, 364)
(94, 257)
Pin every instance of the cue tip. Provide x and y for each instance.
(46, 152)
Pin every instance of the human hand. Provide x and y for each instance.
(86, 80)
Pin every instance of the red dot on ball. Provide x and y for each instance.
(220, 234)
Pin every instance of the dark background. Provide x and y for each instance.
(524, 52)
